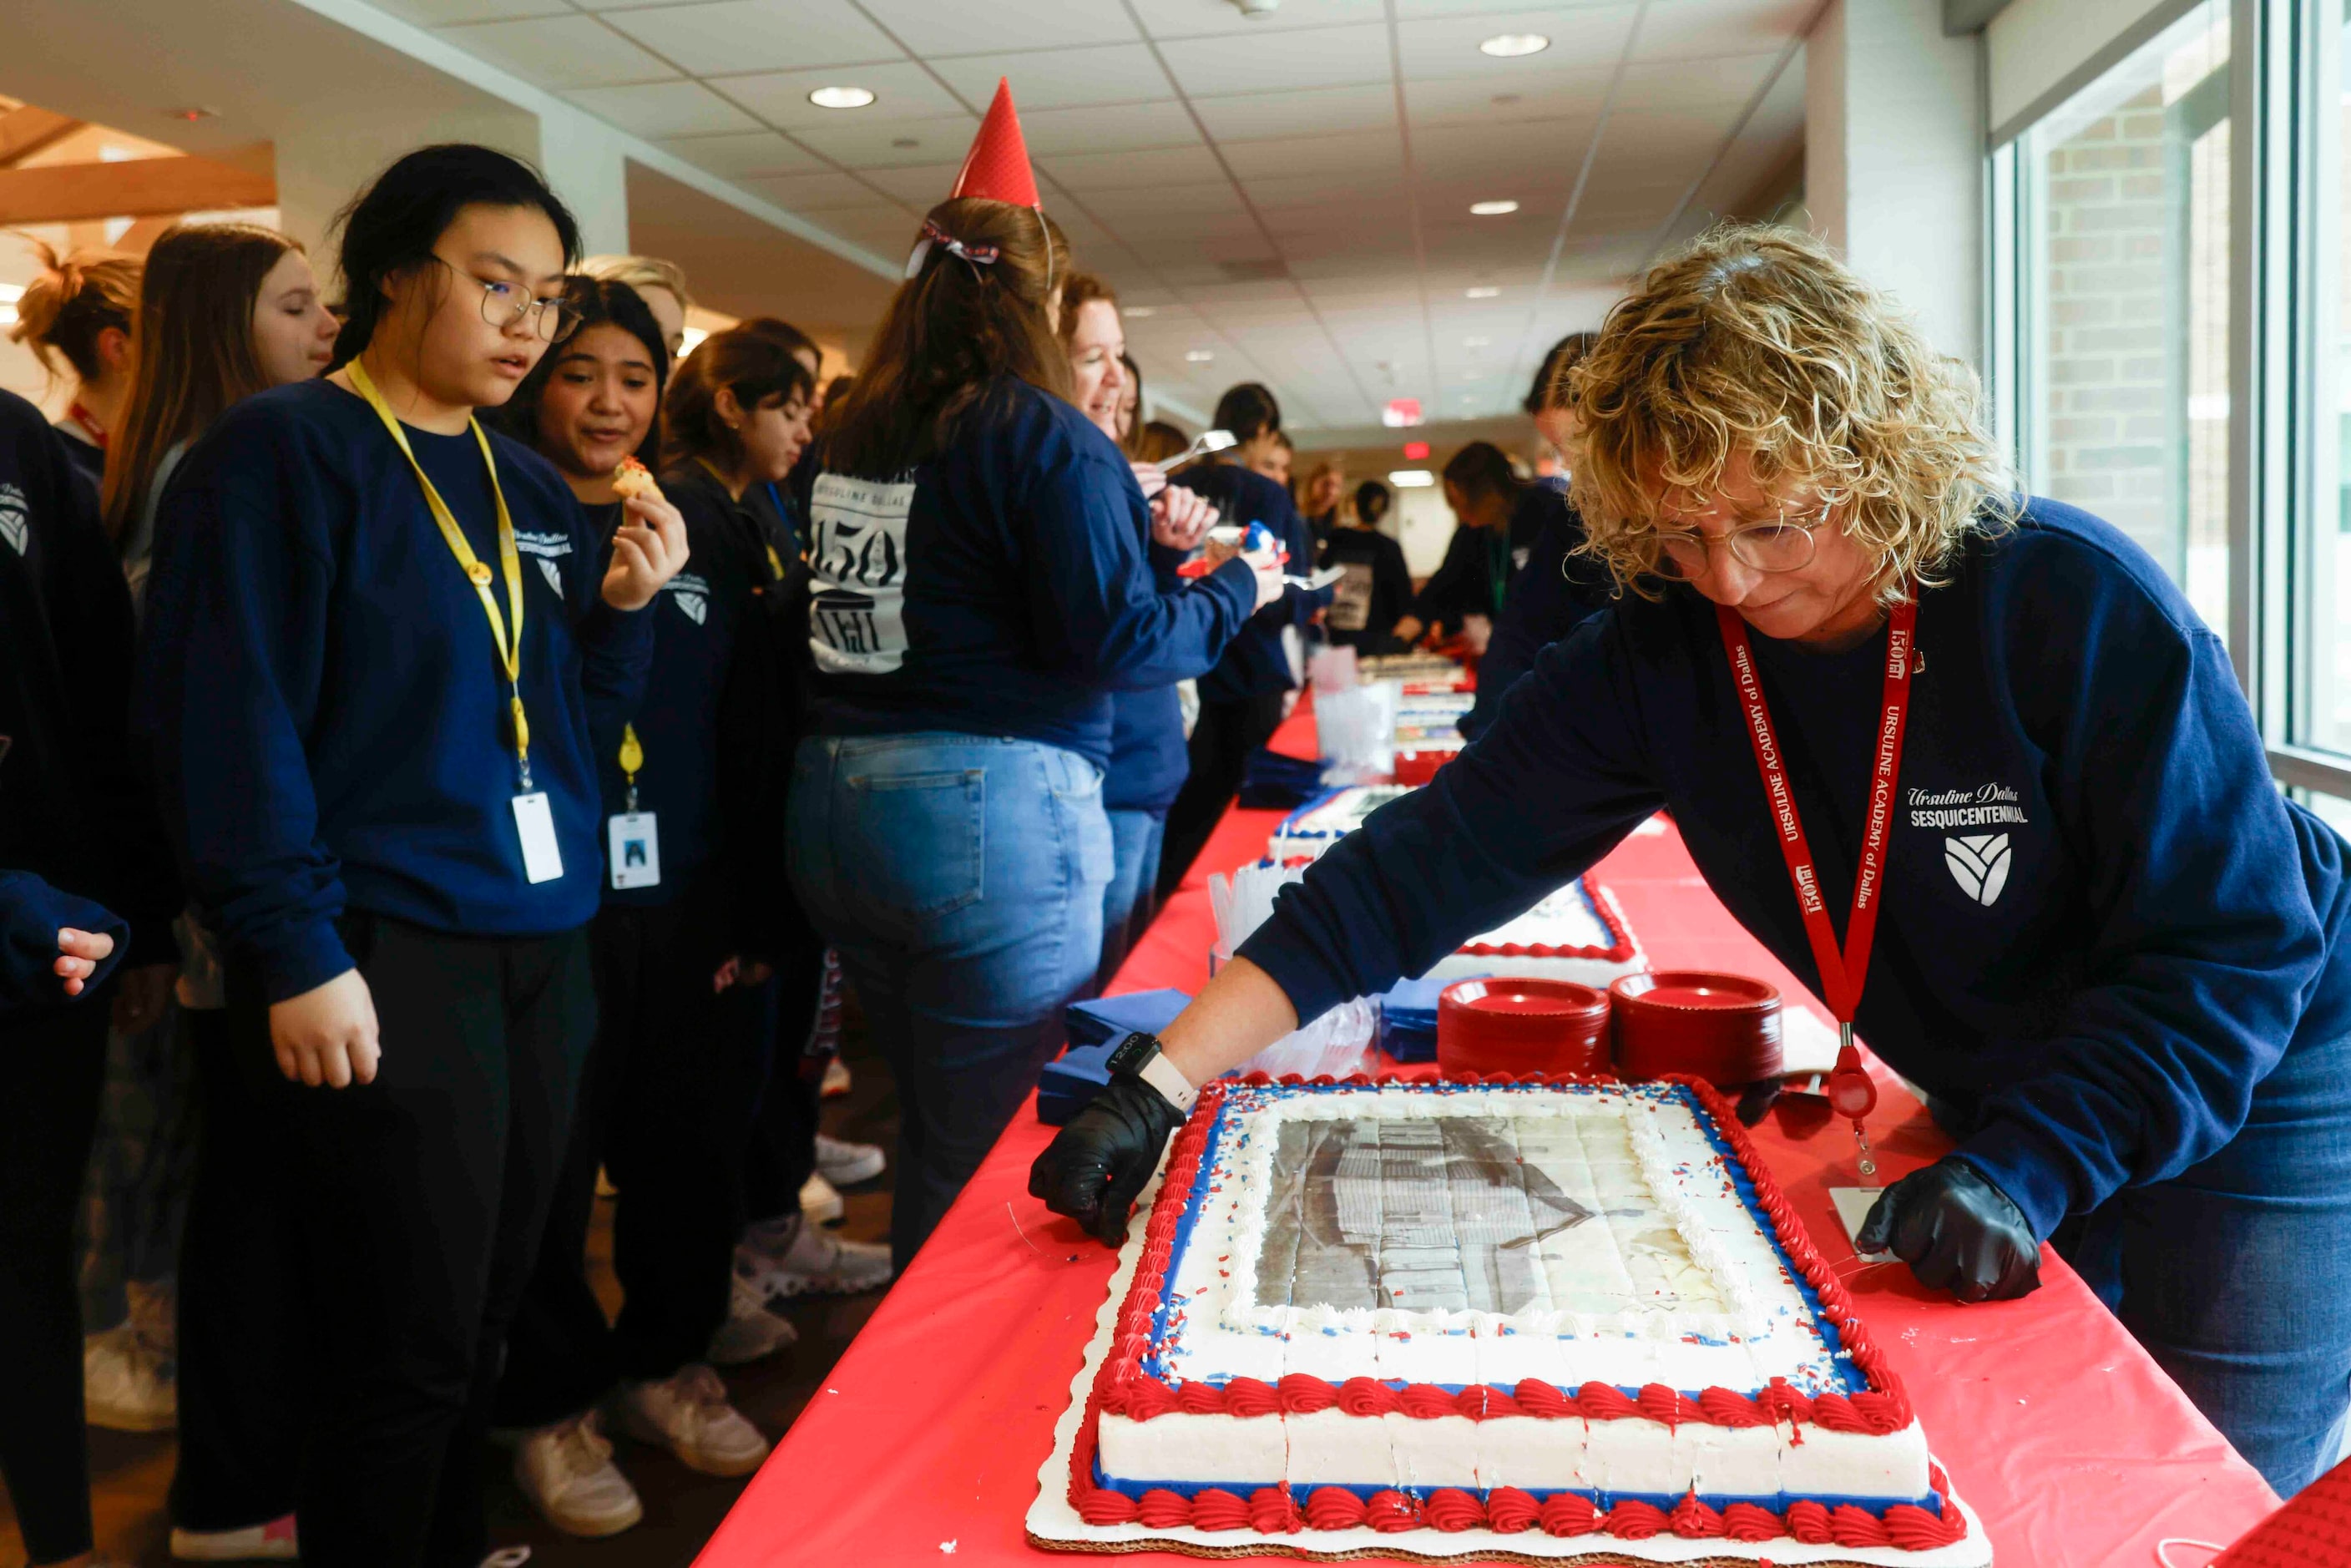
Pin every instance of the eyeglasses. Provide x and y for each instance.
(1783, 544)
(504, 304)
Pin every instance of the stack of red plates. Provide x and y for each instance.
(1420, 767)
(1724, 1029)
(1501, 1025)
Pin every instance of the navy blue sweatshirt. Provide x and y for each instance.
(710, 712)
(1551, 595)
(1255, 663)
(31, 913)
(2102, 926)
(76, 808)
(1001, 587)
(326, 706)
(1372, 597)
(1474, 578)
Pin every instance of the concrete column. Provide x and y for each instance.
(1894, 150)
(583, 159)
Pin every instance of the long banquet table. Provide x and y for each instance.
(924, 1443)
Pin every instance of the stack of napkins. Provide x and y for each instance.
(1270, 781)
(1094, 1029)
(1408, 1019)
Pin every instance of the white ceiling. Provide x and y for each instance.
(1288, 194)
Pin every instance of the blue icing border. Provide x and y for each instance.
(1777, 1502)
(1239, 1097)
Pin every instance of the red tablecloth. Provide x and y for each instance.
(924, 1443)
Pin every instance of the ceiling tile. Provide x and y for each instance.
(1201, 19)
(1538, 156)
(1059, 79)
(901, 90)
(919, 185)
(1581, 37)
(1317, 112)
(1279, 62)
(1125, 129)
(815, 193)
(1692, 29)
(739, 153)
(1498, 105)
(1215, 200)
(891, 144)
(931, 28)
(1723, 78)
(560, 52)
(1135, 171)
(734, 35)
(1357, 162)
(664, 108)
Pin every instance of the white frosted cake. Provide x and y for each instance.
(1548, 1320)
(1329, 817)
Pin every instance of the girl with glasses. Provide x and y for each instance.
(2109, 950)
(381, 644)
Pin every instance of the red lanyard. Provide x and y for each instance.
(88, 423)
(1842, 974)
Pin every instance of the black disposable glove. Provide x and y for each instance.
(1094, 1166)
(1958, 1232)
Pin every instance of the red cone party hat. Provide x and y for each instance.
(997, 167)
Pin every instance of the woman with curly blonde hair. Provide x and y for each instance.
(1863, 676)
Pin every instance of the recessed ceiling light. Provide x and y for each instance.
(1197, 356)
(1138, 312)
(1483, 291)
(1411, 478)
(841, 98)
(1491, 209)
(1510, 46)
(1476, 342)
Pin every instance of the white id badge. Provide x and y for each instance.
(541, 860)
(634, 849)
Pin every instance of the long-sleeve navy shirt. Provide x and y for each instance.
(1551, 594)
(31, 913)
(76, 806)
(2101, 927)
(328, 708)
(1001, 587)
(1256, 662)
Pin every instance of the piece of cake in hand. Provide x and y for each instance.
(632, 478)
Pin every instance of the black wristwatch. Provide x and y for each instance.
(1141, 1055)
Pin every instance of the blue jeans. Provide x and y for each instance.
(961, 878)
(2236, 1274)
(1131, 898)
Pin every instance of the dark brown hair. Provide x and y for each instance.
(793, 340)
(754, 366)
(74, 299)
(1480, 469)
(196, 349)
(1248, 410)
(1157, 441)
(952, 328)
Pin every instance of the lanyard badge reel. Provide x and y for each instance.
(542, 858)
(633, 839)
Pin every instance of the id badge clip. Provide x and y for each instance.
(634, 850)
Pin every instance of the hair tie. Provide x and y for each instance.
(977, 255)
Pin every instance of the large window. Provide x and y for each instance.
(2124, 301)
(2317, 704)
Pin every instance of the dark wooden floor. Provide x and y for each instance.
(682, 1507)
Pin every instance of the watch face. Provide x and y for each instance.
(1132, 1052)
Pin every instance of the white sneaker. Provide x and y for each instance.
(837, 1081)
(275, 1542)
(821, 1201)
(751, 1332)
(788, 1257)
(567, 1472)
(688, 1415)
(845, 1164)
(127, 1386)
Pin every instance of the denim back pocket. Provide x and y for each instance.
(915, 847)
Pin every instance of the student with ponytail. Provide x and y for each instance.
(380, 643)
(80, 311)
(982, 585)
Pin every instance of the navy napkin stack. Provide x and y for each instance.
(1270, 781)
(1408, 1019)
(1094, 1029)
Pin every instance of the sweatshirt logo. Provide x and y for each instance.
(553, 573)
(691, 594)
(14, 525)
(1978, 864)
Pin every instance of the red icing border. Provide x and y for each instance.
(1622, 950)
(1120, 1387)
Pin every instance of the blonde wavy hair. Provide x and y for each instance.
(1756, 341)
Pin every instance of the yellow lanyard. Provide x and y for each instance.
(509, 651)
(633, 757)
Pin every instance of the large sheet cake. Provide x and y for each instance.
(1528, 1321)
